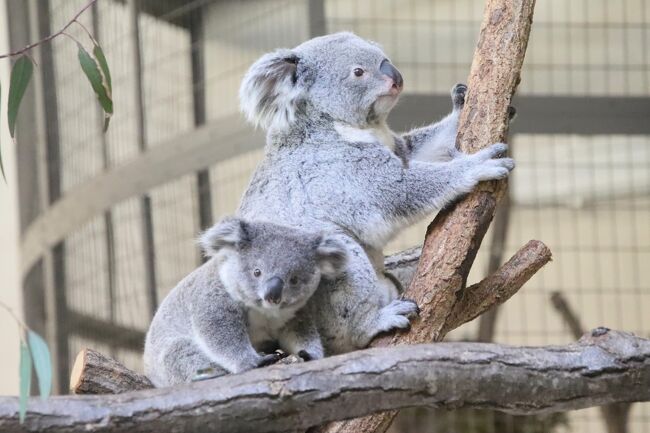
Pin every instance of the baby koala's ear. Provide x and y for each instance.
(230, 232)
(269, 93)
(332, 256)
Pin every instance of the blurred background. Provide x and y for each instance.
(96, 229)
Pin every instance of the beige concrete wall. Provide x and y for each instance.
(9, 267)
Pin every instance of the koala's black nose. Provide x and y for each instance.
(391, 71)
(273, 290)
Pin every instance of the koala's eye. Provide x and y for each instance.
(358, 72)
(293, 280)
(257, 272)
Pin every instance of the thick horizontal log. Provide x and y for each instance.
(603, 367)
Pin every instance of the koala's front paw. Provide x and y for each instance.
(458, 93)
(397, 315)
(489, 164)
(270, 358)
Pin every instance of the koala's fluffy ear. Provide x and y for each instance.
(269, 93)
(332, 256)
(228, 233)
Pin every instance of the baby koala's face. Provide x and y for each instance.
(340, 76)
(267, 266)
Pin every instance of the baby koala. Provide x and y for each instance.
(258, 276)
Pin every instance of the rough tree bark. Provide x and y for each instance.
(604, 367)
(453, 238)
(94, 373)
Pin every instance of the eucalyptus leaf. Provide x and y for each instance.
(25, 380)
(100, 84)
(106, 75)
(103, 65)
(21, 73)
(42, 363)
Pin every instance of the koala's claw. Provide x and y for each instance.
(512, 112)
(417, 308)
(305, 355)
(270, 358)
(458, 93)
(490, 163)
(496, 150)
(493, 169)
(397, 315)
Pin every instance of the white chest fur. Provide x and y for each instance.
(381, 134)
(265, 325)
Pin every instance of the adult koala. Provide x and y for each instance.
(332, 164)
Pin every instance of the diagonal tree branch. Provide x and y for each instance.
(604, 367)
(497, 288)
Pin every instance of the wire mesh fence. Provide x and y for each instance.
(176, 67)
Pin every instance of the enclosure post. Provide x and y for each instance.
(109, 233)
(141, 133)
(49, 175)
(203, 188)
(29, 173)
(316, 18)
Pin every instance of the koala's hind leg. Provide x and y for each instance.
(354, 309)
(183, 360)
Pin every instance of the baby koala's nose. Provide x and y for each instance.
(273, 290)
(391, 71)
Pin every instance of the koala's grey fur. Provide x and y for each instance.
(218, 316)
(332, 164)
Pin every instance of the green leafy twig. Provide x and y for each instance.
(96, 69)
(94, 66)
(52, 36)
